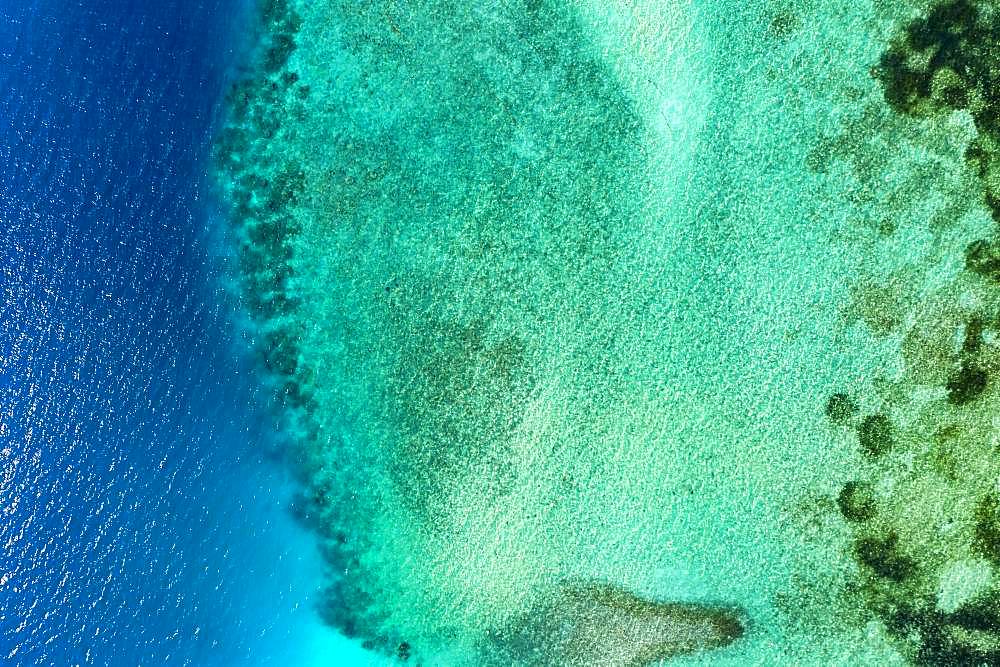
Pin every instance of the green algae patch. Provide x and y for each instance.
(987, 532)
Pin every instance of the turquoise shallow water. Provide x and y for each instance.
(616, 333)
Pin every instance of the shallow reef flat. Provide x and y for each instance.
(616, 333)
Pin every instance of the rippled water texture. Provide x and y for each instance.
(141, 520)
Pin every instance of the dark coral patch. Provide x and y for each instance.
(968, 636)
(285, 189)
(277, 55)
(948, 60)
(882, 556)
(942, 61)
(875, 434)
(857, 501)
(784, 24)
(987, 528)
(973, 339)
(982, 257)
(280, 353)
(982, 614)
(840, 408)
(966, 384)
(403, 651)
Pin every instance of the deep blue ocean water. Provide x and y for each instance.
(143, 521)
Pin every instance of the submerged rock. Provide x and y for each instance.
(593, 624)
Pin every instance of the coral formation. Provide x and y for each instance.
(875, 434)
(967, 383)
(882, 556)
(856, 501)
(924, 513)
(840, 408)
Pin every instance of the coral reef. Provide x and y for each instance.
(924, 511)
(875, 435)
(840, 408)
(261, 187)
